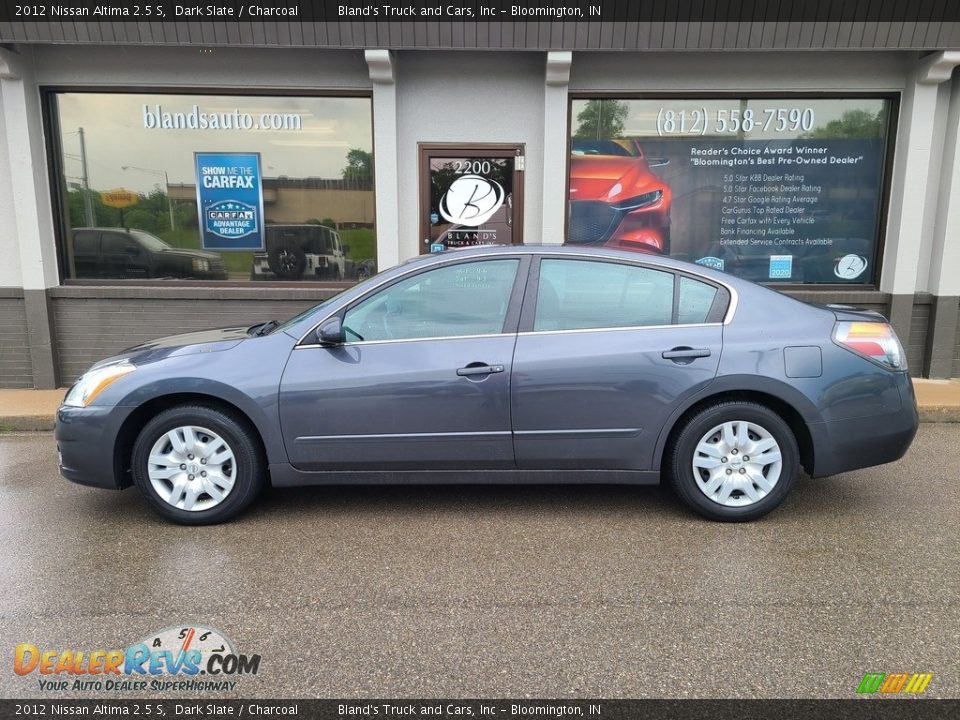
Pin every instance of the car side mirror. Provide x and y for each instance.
(331, 332)
(657, 161)
(345, 249)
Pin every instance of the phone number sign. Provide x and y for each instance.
(230, 200)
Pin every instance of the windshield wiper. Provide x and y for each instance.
(262, 328)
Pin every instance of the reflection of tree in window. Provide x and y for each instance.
(359, 167)
(602, 119)
(852, 124)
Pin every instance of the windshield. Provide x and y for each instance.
(150, 242)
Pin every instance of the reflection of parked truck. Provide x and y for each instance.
(132, 254)
(296, 251)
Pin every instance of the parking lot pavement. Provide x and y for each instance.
(576, 591)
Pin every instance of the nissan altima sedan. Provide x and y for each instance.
(540, 364)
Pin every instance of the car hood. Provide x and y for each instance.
(204, 341)
(597, 177)
(178, 252)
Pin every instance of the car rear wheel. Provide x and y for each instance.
(734, 461)
(197, 465)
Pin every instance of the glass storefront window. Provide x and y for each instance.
(775, 190)
(215, 187)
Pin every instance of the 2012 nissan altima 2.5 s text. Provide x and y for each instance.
(503, 364)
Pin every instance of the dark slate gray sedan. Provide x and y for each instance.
(503, 364)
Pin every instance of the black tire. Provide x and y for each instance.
(248, 474)
(680, 456)
(287, 261)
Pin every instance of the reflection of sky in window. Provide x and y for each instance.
(115, 136)
(641, 120)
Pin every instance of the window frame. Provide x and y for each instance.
(886, 183)
(60, 210)
(721, 311)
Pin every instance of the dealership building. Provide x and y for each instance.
(157, 178)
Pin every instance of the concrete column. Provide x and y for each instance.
(911, 200)
(914, 201)
(944, 279)
(556, 136)
(32, 214)
(381, 66)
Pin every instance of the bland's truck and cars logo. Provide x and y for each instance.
(185, 658)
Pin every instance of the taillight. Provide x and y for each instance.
(874, 340)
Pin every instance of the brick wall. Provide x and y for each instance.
(15, 368)
(916, 345)
(94, 323)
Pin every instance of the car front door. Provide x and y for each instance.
(86, 254)
(421, 381)
(123, 256)
(605, 352)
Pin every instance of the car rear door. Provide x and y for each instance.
(422, 381)
(606, 351)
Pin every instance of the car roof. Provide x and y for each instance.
(586, 251)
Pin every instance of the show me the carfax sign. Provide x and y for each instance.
(230, 200)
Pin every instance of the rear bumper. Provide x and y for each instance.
(85, 443)
(852, 444)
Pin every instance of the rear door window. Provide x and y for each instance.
(696, 299)
(584, 294)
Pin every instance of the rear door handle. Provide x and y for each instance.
(686, 353)
(479, 369)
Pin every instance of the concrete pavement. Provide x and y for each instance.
(546, 591)
(939, 401)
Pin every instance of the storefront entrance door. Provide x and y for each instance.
(470, 195)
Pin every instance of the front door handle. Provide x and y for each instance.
(474, 369)
(686, 353)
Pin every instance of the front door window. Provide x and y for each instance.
(451, 301)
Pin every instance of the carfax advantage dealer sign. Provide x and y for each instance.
(230, 200)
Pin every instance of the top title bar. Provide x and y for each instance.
(666, 11)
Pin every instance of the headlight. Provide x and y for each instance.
(93, 382)
(635, 203)
(201, 265)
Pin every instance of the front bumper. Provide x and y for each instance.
(852, 444)
(645, 229)
(86, 439)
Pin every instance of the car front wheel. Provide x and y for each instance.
(734, 461)
(197, 465)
